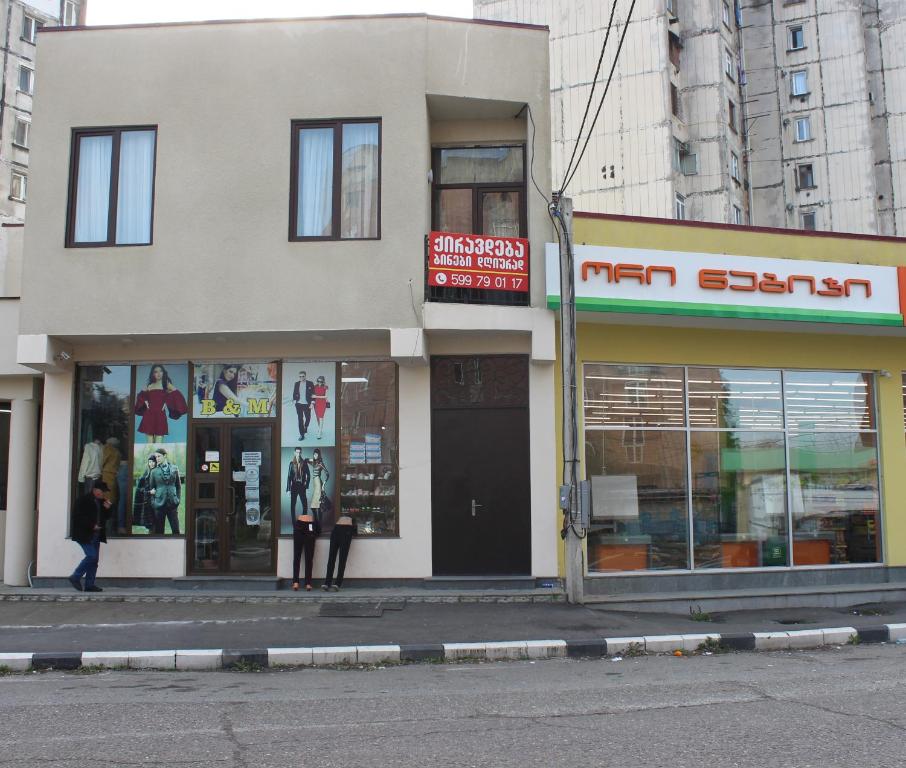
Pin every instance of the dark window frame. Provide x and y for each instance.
(477, 295)
(479, 188)
(337, 124)
(116, 134)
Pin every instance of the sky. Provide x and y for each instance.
(151, 11)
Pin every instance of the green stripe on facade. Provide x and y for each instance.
(729, 310)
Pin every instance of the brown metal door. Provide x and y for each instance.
(231, 507)
(480, 481)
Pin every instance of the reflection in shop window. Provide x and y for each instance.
(105, 410)
(369, 476)
(781, 467)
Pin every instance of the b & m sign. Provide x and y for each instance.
(478, 261)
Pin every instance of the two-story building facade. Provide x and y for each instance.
(226, 286)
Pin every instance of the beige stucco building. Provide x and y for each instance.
(775, 114)
(189, 258)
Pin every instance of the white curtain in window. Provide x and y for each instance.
(315, 191)
(93, 189)
(359, 201)
(136, 187)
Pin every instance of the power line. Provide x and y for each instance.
(591, 93)
(616, 58)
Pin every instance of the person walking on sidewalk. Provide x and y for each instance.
(89, 521)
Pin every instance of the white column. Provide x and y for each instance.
(20, 496)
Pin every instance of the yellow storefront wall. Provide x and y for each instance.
(724, 346)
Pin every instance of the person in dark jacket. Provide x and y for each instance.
(89, 520)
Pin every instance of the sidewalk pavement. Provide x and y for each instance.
(62, 625)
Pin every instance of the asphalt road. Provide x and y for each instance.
(105, 626)
(838, 707)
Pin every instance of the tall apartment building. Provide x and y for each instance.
(20, 21)
(785, 113)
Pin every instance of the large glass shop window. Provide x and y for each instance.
(730, 468)
(131, 434)
(339, 445)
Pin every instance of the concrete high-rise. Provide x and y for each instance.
(780, 114)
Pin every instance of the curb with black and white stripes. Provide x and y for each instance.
(212, 659)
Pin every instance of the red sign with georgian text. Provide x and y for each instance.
(478, 261)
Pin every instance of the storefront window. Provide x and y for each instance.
(639, 488)
(738, 498)
(734, 398)
(5, 411)
(633, 396)
(782, 467)
(104, 430)
(368, 446)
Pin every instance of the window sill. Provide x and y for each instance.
(333, 239)
(800, 95)
(796, 50)
(17, 199)
(107, 245)
(26, 40)
(20, 146)
(802, 141)
(806, 189)
(25, 93)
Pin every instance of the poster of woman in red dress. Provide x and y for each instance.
(159, 398)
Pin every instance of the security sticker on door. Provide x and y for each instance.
(252, 513)
(251, 477)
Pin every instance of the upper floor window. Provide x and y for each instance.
(70, 14)
(796, 37)
(725, 14)
(731, 115)
(30, 27)
(20, 137)
(26, 79)
(737, 215)
(18, 186)
(336, 173)
(679, 207)
(111, 186)
(803, 129)
(729, 68)
(480, 190)
(799, 83)
(805, 176)
(808, 220)
(734, 166)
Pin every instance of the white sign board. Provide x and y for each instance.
(644, 281)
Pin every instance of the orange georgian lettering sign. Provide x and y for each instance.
(614, 273)
(768, 282)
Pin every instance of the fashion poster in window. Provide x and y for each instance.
(309, 404)
(308, 483)
(159, 489)
(234, 389)
(160, 406)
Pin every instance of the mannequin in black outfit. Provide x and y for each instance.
(340, 541)
(305, 533)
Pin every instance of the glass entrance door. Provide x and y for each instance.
(231, 514)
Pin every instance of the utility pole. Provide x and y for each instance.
(562, 212)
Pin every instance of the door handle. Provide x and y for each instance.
(232, 508)
(475, 507)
